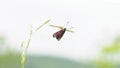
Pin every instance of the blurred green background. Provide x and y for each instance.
(10, 58)
(93, 43)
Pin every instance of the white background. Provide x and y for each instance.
(96, 22)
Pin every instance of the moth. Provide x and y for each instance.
(59, 34)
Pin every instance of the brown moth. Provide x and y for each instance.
(59, 34)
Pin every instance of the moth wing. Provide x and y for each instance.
(58, 35)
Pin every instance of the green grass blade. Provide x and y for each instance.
(42, 25)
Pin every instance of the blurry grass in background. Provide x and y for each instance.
(10, 58)
(40, 62)
(109, 57)
(10, 61)
(113, 48)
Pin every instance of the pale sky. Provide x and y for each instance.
(96, 22)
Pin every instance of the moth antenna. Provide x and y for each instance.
(67, 24)
(70, 27)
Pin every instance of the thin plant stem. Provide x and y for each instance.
(42, 25)
(24, 50)
(22, 55)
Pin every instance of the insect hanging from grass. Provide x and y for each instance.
(59, 34)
